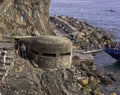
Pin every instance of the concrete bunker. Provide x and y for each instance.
(49, 52)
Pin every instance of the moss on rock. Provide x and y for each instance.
(36, 2)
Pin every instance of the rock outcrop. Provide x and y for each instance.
(25, 79)
(83, 35)
(23, 17)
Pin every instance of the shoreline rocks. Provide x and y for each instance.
(81, 33)
(85, 37)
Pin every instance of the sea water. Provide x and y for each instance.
(104, 14)
(100, 13)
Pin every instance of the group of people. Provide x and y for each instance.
(59, 26)
(20, 49)
(114, 45)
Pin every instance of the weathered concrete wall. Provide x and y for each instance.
(49, 52)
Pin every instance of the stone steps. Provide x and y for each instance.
(8, 37)
(7, 63)
(6, 48)
(2, 69)
(2, 74)
(8, 57)
(8, 43)
(5, 41)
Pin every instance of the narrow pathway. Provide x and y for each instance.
(6, 42)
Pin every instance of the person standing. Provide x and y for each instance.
(3, 53)
(23, 51)
(16, 49)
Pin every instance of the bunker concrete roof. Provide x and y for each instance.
(48, 44)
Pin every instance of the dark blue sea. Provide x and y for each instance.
(104, 14)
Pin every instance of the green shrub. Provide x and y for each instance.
(37, 2)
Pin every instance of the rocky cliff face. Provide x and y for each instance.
(25, 79)
(23, 17)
